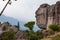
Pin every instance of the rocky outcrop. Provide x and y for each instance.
(48, 14)
(7, 26)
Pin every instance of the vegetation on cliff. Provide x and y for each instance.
(8, 35)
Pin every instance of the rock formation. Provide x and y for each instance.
(7, 26)
(48, 14)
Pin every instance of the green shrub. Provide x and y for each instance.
(57, 37)
(54, 27)
(8, 35)
(39, 34)
(33, 37)
(51, 32)
(59, 29)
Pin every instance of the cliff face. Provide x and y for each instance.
(48, 14)
(7, 26)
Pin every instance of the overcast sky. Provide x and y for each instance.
(23, 9)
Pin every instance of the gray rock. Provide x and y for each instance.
(48, 14)
(7, 26)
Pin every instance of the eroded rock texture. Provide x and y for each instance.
(6, 26)
(48, 14)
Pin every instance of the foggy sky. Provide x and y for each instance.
(23, 9)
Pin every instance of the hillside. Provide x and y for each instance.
(6, 28)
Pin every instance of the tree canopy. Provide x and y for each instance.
(30, 25)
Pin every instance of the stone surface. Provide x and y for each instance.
(7, 26)
(48, 14)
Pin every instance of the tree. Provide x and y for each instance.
(33, 36)
(54, 27)
(30, 35)
(39, 34)
(30, 25)
(26, 33)
(18, 25)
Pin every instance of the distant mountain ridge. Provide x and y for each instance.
(13, 21)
